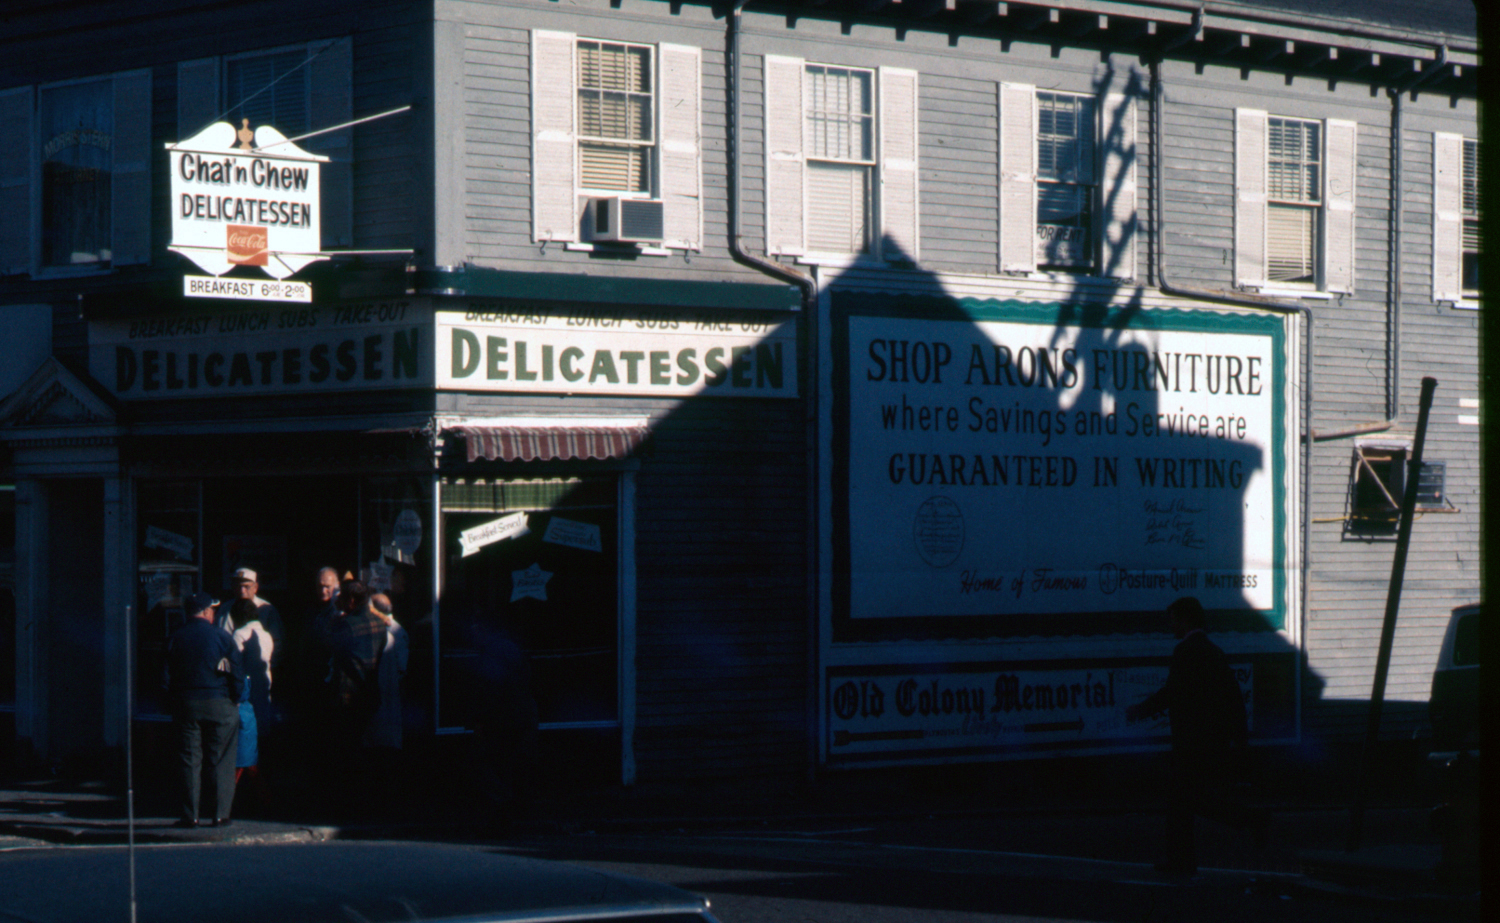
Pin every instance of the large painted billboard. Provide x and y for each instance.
(1006, 472)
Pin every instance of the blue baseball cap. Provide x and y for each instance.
(197, 603)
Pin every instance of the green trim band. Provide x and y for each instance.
(475, 281)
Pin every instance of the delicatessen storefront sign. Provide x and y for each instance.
(404, 343)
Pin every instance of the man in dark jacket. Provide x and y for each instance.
(203, 679)
(1203, 701)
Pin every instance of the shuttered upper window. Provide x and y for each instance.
(615, 119)
(77, 137)
(1294, 202)
(841, 160)
(75, 175)
(839, 107)
(1067, 182)
(615, 109)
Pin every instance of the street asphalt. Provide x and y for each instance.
(1065, 828)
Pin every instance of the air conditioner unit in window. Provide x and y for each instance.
(626, 220)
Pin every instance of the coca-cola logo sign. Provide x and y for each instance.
(247, 245)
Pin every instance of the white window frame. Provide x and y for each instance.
(1114, 230)
(859, 127)
(1333, 262)
(647, 145)
(559, 201)
(893, 219)
(1449, 216)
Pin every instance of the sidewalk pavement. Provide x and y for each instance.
(1398, 864)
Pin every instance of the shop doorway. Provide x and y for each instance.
(530, 616)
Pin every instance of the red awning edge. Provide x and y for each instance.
(551, 443)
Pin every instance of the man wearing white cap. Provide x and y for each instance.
(247, 586)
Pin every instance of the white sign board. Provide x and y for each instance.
(496, 530)
(245, 199)
(268, 349)
(916, 710)
(246, 289)
(603, 351)
(1000, 466)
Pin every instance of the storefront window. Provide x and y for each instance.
(169, 521)
(396, 541)
(529, 601)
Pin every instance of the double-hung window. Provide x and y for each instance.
(295, 90)
(1294, 193)
(839, 103)
(1455, 225)
(841, 160)
(1067, 182)
(616, 112)
(1294, 203)
(615, 120)
(75, 175)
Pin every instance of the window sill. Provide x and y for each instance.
(1304, 293)
(1464, 304)
(73, 272)
(845, 261)
(639, 250)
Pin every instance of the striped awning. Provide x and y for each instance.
(551, 443)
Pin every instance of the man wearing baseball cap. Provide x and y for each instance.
(247, 586)
(203, 679)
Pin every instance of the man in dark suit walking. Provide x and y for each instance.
(203, 678)
(1203, 701)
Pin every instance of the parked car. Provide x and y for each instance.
(1454, 710)
(324, 883)
(1454, 704)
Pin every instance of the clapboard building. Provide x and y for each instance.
(801, 385)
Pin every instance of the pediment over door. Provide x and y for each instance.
(54, 398)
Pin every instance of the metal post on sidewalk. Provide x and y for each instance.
(1388, 627)
(130, 753)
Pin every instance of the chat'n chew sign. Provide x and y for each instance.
(244, 198)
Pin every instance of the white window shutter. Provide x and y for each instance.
(198, 103)
(1251, 130)
(899, 213)
(786, 179)
(1017, 177)
(1341, 176)
(1119, 218)
(681, 68)
(1447, 216)
(16, 111)
(554, 138)
(130, 179)
(330, 84)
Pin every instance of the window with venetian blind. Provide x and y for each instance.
(841, 160)
(1455, 219)
(1294, 202)
(612, 118)
(1294, 164)
(269, 89)
(840, 113)
(615, 126)
(1470, 259)
(1067, 182)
